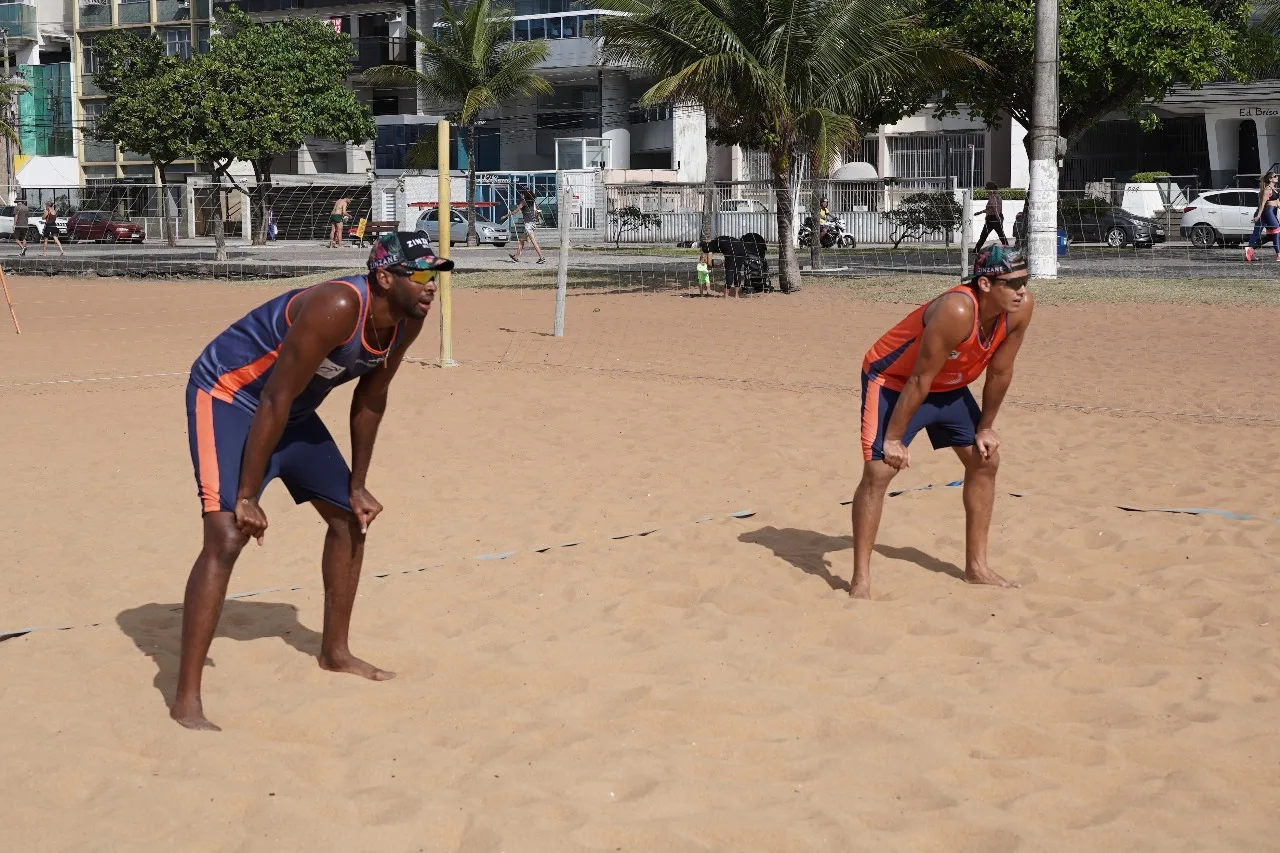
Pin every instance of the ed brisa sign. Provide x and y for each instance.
(1259, 112)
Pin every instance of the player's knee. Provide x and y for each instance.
(345, 526)
(225, 544)
(977, 464)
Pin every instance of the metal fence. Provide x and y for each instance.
(297, 212)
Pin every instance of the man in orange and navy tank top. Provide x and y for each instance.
(251, 417)
(916, 377)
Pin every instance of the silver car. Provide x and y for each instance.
(489, 232)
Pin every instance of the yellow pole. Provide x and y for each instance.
(444, 218)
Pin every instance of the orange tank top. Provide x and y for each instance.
(892, 359)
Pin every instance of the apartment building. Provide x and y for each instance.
(35, 40)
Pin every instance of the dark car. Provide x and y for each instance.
(1092, 220)
(102, 225)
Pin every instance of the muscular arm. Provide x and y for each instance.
(370, 402)
(1000, 370)
(947, 323)
(325, 318)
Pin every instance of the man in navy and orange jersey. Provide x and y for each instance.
(917, 376)
(251, 417)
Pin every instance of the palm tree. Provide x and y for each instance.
(778, 75)
(474, 66)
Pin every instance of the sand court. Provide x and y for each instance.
(706, 686)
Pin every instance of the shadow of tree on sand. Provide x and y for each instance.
(807, 551)
(156, 629)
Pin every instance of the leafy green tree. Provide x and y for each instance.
(474, 66)
(780, 76)
(1115, 55)
(269, 87)
(151, 103)
(631, 218)
(922, 214)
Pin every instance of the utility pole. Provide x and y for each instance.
(8, 120)
(1042, 196)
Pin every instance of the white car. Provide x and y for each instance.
(33, 223)
(1219, 216)
(489, 232)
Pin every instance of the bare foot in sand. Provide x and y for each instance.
(986, 577)
(860, 589)
(352, 664)
(191, 716)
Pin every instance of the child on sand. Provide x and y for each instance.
(705, 263)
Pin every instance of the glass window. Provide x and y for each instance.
(537, 29)
(177, 42)
(553, 28)
(1249, 199)
(569, 27)
(90, 64)
(522, 30)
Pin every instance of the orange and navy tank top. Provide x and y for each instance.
(892, 359)
(236, 365)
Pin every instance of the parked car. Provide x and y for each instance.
(499, 234)
(103, 225)
(1094, 220)
(33, 223)
(1221, 216)
(741, 205)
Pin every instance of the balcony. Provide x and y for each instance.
(94, 15)
(99, 152)
(173, 11)
(19, 19)
(88, 88)
(133, 12)
(373, 51)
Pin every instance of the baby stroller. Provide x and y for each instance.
(744, 262)
(756, 275)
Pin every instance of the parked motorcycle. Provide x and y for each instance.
(835, 235)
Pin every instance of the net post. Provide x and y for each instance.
(564, 209)
(444, 221)
(966, 195)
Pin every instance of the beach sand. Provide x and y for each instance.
(706, 686)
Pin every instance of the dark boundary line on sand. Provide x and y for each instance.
(541, 549)
(1221, 513)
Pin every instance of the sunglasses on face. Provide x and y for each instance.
(415, 276)
(1016, 281)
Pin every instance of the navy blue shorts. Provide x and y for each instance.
(307, 460)
(949, 417)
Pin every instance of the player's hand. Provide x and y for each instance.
(896, 455)
(987, 442)
(250, 519)
(365, 506)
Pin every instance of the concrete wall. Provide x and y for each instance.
(689, 144)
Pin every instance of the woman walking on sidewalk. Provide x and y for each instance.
(1265, 216)
(50, 231)
(528, 210)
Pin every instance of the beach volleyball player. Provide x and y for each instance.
(251, 417)
(916, 377)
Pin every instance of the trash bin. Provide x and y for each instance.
(1062, 242)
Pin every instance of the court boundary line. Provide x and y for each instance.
(540, 549)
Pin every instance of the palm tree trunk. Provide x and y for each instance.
(709, 189)
(815, 193)
(788, 263)
(473, 239)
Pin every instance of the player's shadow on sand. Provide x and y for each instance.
(807, 551)
(156, 629)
